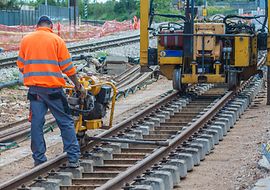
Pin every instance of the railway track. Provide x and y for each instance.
(89, 47)
(163, 121)
(190, 125)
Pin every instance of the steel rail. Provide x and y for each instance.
(126, 74)
(62, 158)
(21, 132)
(104, 46)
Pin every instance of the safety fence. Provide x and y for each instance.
(10, 36)
(30, 17)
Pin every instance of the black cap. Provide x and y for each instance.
(44, 18)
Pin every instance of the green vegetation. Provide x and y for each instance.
(212, 10)
(5, 4)
(122, 9)
(15, 87)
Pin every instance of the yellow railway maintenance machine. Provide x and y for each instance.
(191, 51)
(88, 111)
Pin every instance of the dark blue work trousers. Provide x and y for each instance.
(40, 100)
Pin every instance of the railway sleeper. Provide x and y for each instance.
(65, 177)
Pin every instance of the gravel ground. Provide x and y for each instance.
(9, 74)
(14, 105)
(105, 38)
(132, 50)
(21, 157)
(233, 164)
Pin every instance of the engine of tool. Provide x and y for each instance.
(89, 110)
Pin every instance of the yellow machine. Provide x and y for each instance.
(191, 51)
(88, 111)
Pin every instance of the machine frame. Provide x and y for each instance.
(183, 68)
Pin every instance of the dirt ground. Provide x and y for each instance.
(13, 105)
(233, 164)
(19, 159)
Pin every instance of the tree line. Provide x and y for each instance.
(112, 9)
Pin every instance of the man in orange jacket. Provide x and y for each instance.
(43, 58)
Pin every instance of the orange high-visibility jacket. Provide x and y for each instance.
(43, 57)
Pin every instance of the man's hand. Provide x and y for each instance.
(81, 89)
(78, 86)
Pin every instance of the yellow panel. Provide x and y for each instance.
(254, 51)
(211, 44)
(211, 78)
(170, 60)
(268, 45)
(204, 12)
(217, 28)
(167, 71)
(93, 124)
(144, 35)
(241, 51)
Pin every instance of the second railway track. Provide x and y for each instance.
(88, 47)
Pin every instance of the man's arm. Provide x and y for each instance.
(68, 68)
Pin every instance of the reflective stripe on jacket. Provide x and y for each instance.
(43, 57)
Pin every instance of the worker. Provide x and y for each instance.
(43, 57)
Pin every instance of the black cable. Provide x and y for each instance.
(151, 13)
(261, 23)
(265, 16)
(233, 27)
(242, 17)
